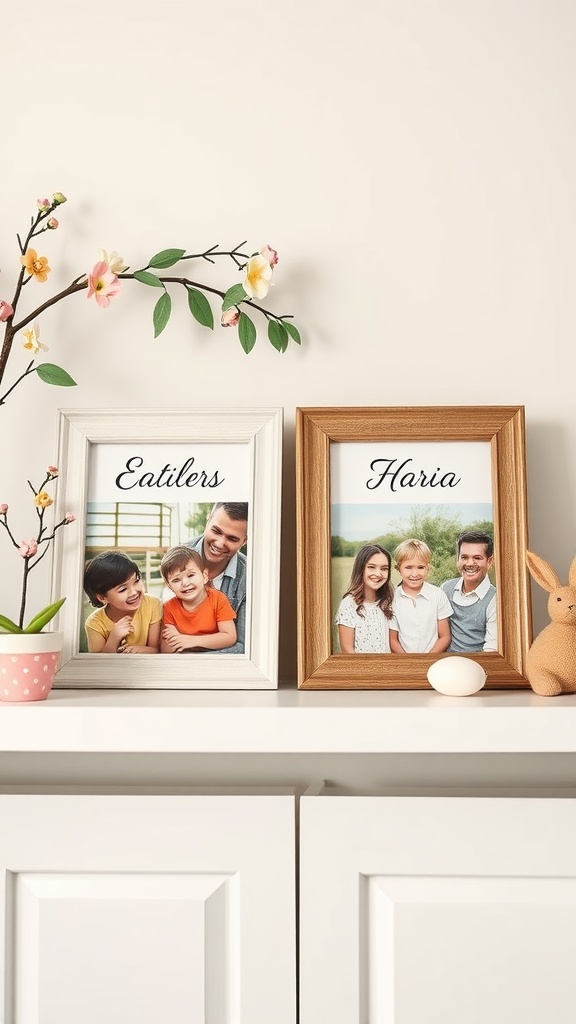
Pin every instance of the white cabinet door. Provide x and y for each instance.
(148, 909)
(437, 910)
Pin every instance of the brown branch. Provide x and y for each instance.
(81, 284)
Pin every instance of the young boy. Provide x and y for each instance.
(219, 546)
(473, 596)
(198, 617)
(420, 610)
(128, 620)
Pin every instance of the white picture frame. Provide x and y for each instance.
(259, 429)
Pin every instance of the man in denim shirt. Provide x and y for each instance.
(225, 533)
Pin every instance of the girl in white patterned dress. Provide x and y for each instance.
(365, 610)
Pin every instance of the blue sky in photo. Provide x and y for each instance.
(364, 522)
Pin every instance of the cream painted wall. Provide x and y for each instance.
(414, 164)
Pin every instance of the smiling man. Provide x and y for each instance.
(473, 596)
(225, 533)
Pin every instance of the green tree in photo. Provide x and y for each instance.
(342, 548)
(440, 531)
(196, 523)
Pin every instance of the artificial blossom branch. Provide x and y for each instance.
(32, 551)
(105, 282)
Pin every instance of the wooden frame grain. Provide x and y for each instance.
(316, 429)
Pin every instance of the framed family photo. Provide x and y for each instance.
(171, 575)
(411, 541)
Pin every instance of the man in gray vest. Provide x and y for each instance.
(473, 596)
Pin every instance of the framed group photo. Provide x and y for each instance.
(171, 571)
(401, 514)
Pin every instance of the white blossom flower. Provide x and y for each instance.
(114, 261)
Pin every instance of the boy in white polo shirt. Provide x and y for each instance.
(420, 611)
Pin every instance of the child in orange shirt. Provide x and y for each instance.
(198, 617)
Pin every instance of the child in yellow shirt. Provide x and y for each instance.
(127, 621)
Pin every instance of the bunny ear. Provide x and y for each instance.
(572, 574)
(542, 572)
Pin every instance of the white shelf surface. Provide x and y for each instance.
(289, 721)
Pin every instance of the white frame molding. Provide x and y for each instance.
(262, 430)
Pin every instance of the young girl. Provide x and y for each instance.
(128, 620)
(198, 617)
(367, 604)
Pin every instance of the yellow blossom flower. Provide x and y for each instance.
(35, 265)
(258, 274)
(32, 339)
(43, 499)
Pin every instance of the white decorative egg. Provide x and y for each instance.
(456, 676)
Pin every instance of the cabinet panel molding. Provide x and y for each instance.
(135, 909)
(437, 909)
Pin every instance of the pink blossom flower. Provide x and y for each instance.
(5, 310)
(3, 509)
(102, 284)
(230, 317)
(70, 517)
(52, 471)
(52, 223)
(28, 548)
(258, 274)
(43, 204)
(269, 254)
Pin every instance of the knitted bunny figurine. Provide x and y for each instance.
(551, 660)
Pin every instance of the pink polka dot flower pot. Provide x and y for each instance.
(28, 664)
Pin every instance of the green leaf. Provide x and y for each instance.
(166, 258)
(293, 331)
(36, 625)
(246, 333)
(233, 296)
(145, 278)
(278, 335)
(200, 308)
(161, 314)
(7, 626)
(52, 374)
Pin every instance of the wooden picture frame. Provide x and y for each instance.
(317, 430)
(213, 442)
